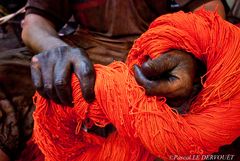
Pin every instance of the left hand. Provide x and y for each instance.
(9, 130)
(171, 75)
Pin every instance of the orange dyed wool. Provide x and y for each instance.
(146, 126)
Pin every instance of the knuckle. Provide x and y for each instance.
(35, 62)
(147, 65)
(60, 83)
(86, 73)
(38, 86)
(78, 52)
(48, 87)
(35, 59)
(148, 68)
(87, 69)
(148, 90)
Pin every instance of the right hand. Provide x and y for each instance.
(51, 74)
(171, 75)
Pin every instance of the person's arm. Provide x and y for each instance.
(39, 34)
(55, 61)
(173, 74)
(210, 5)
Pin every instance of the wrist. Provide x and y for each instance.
(50, 43)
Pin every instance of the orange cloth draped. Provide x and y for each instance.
(146, 126)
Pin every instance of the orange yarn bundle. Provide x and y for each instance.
(146, 126)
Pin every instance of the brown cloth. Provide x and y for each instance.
(108, 28)
(107, 17)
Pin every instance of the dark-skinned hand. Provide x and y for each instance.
(51, 74)
(170, 75)
(9, 131)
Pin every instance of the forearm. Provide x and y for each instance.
(211, 5)
(39, 34)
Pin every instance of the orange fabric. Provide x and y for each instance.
(147, 126)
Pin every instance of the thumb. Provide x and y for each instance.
(159, 66)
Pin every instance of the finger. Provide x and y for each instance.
(159, 66)
(62, 82)
(47, 76)
(86, 75)
(9, 122)
(161, 87)
(142, 80)
(37, 76)
(11, 125)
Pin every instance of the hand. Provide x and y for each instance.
(51, 74)
(171, 75)
(9, 131)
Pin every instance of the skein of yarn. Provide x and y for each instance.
(146, 127)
